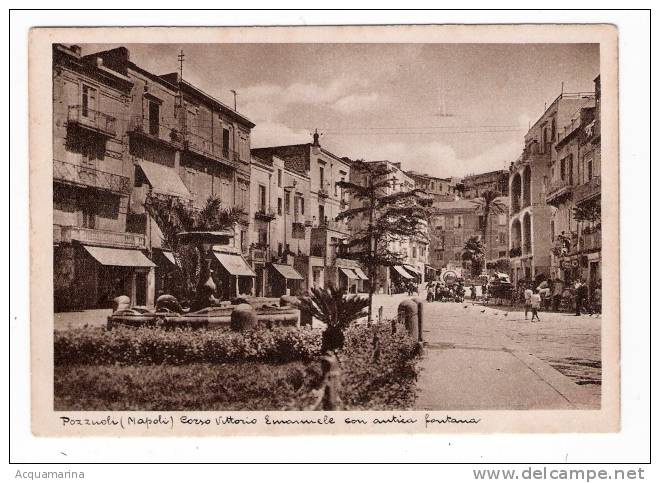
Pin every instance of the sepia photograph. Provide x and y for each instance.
(409, 228)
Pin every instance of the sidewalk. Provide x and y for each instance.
(471, 363)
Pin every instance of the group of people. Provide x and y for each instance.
(441, 292)
(558, 296)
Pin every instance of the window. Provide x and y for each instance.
(321, 178)
(552, 230)
(287, 202)
(302, 206)
(457, 256)
(553, 127)
(262, 198)
(440, 223)
(88, 100)
(279, 178)
(501, 238)
(432, 187)
(321, 214)
(458, 221)
(562, 169)
(154, 118)
(414, 252)
(88, 216)
(279, 206)
(502, 253)
(225, 142)
(279, 249)
(458, 240)
(501, 219)
(590, 168)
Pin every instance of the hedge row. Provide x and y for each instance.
(124, 345)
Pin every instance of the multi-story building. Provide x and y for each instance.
(475, 185)
(179, 143)
(281, 229)
(414, 250)
(441, 189)
(455, 222)
(530, 216)
(323, 264)
(95, 258)
(575, 184)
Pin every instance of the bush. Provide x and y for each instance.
(153, 369)
(385, 383)
(124, 345)
(240, 386)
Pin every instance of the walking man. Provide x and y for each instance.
(535, 302)
(528, 300)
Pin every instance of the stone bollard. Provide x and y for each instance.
(243, 317)
(408, 316)
(420, 318)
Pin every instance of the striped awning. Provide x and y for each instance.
(234, 264)
(402, 271)
(287, 271)
(358, 271)
(349, 273)
(164, 180)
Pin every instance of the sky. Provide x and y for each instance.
(442, 109)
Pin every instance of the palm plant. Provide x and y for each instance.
(474, 251)
(174, 216)
(332, 307)
(489, 202)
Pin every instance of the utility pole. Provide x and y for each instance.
(235, 96)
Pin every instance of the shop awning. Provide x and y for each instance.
(169, 256)
(234, 264)
(164, 180)
(349, 273)
(402, 271)
(411, 269)
(287, 271)
(119, 257)
(358, 271)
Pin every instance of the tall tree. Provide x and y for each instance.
(386, 215)
(474, 251)
(174, 216)
(489, 202)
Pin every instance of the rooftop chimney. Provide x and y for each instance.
(316, 138)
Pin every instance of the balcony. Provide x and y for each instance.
(92, 120)
(76, 174)
(587, 191)
(323, 193)
(558, 191)
(90, 236)
(590, 241)
(155, 131)
(203, 146)
(265, 214)
(515, 252)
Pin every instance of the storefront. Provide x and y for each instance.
(232, 275)
(285, 280)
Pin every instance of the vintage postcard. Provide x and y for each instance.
(324, 230)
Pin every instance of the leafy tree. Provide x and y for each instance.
(589, 213)
(474, 251)
(385, 217)
(489, 202)
(174, 216)
(332, 307)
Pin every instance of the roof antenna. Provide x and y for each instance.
(181, 56)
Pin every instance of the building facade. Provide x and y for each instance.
(529, 176)
(475, 185)
(441, 189)
(145, 135)
(95, 258)
(314, 211)
(574, 190)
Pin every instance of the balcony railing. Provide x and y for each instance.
(558, 189)
(85, 176)
(155, 130)
(93, 120)
(90, 236)
(588, 190)
(265, 214)
(205, 147)
(323, 193)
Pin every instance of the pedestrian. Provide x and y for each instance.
(597, 298)
(557, 291)
(581, 298)
(535, 303)
(528, 300)
(473, 292)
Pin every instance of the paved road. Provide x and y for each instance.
(487, 358)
